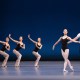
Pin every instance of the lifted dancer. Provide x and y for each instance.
(38, 46)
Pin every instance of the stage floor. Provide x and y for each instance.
(52, 70)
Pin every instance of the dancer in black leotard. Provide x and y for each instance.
(65, 51)
(64, 44)
(38, 46)
(20, 45)
(5, 47)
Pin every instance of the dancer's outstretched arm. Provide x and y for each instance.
(31, 39)
(57, 42)
(13, 39)
(75, 38)
(2, 42)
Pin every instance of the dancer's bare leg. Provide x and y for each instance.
(18, 58)
(38, 56)
(6, 56)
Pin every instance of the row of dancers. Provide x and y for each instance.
(20, 45)
(65, 40)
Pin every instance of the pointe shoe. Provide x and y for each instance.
(17, 66)
(65, 70)
(72, 68)
(36, 65)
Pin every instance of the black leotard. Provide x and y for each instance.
(18, 47)
(37, 49)
(64, 44)
(4, 48)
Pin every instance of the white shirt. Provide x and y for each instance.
(78, 36)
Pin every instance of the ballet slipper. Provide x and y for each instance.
(72, 68)
(65, 70)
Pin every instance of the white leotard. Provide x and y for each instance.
(78, 36)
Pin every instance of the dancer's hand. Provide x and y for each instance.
(79, 42)
(22, 46)
(28, 35)
(69, 42)
(9, 35)
(53, 47)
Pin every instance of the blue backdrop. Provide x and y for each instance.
(40, 18)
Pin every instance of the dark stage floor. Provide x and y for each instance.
(46, 71)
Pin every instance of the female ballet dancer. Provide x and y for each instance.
(5, 47)
(64, 50)
(38, 46)
(20, 45)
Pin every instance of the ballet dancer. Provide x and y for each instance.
(20, 45)
(5, 47)
(64, 50)
(38, 46)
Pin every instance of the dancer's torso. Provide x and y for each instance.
(18, 47)
(4, 47)
(64, 44)
(36, 48)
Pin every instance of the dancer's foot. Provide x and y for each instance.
(65, 70)
(72, 68)
(17, 66)
(36, 65)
